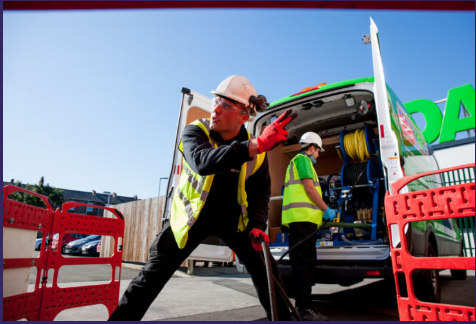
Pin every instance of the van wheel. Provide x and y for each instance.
(427, 287)
(62, 249)
(459, 274)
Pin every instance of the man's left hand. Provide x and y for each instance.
(275, 132)
(330, 214)
(255, 239)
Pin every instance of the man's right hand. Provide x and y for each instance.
(275, 132)
(329, 214)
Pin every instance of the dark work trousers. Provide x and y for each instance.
(165, 257)
(303, 259)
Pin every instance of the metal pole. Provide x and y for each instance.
(108, 196)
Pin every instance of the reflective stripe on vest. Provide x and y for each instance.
(193, 189)
(297, 206)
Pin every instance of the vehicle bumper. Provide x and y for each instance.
(89, 252)
(72, 250)
(342, 274)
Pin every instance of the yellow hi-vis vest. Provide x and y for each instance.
(297, 206)
(193, 190)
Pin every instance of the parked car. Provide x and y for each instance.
(74, 247)
(38, 244)
(67, 238)
(90, 248)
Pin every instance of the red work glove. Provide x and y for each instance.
(255, 239)
(275, 132)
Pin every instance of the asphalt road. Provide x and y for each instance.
(224, 294)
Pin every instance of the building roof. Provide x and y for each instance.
(77, 195)
(89, 196)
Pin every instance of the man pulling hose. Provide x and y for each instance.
(224, 191)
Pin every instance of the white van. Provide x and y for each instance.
(365, 130)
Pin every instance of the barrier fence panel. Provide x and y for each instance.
(22, 222)
(466, 224)
(56, 299)
(453, 201)
(48, 299)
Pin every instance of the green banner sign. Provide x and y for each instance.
(446, 126)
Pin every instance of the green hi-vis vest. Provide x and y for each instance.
(193, 190)
(297, 206)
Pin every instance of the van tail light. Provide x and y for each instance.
(373, 273)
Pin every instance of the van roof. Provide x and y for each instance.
(326, 87)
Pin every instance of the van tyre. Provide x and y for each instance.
(459, 274)
(427, 287)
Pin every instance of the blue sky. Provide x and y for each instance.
(91, 98)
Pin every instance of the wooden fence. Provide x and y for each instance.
(142, 224)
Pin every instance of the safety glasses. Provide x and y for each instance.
(227, 105)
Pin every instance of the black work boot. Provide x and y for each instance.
(308, 314)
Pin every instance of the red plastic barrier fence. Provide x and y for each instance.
(45, 302)
(23, 216)
(432, 204)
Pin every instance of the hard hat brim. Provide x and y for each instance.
(303, 145)
(227, 95)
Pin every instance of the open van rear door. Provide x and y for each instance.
(193, 107)
(389, 149)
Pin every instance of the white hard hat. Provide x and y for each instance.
(236, 87)
(239, 88)
(311, 138)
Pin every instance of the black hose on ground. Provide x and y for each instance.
(272, 283)
(269, 273)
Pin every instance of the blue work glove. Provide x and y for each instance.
(329, 214)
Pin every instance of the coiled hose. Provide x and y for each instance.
(352, 172)
(355, 145)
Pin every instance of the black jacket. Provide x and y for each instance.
(225, 162)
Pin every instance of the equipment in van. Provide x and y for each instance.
(359, 151)
(360, 145)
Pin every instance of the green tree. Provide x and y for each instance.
(55, 195)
